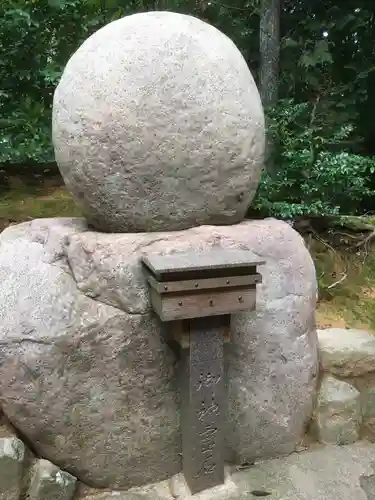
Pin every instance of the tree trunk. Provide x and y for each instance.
(269, 64)
(269, 51)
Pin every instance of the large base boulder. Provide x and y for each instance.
(87, 376)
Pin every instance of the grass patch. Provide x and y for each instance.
(346, 287)
(22, 203)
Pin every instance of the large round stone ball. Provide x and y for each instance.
(158, 125)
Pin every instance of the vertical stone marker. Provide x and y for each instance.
(202, 398)
(198, 292)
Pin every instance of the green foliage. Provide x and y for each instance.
(35, 42)
(323, 126)
(323, 130)
(315, 176)
(37, 37)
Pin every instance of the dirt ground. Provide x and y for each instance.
(333, 317)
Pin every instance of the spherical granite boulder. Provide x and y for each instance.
(158, 125)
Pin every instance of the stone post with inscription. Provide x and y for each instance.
(198, 292)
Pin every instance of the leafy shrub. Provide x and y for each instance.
(311, 177)
(37, 38)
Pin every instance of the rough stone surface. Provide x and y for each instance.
(368, 402)
(12, 456)
(6, 429)
(158, 125)
(48, 482)
(338, 412)
(178, 488)
(89, 384)
(346, 352)
(367, 483)
(87, 377)
(368, 429)
(368, 408)
(175, 488)
(128, 495)
(325, 473)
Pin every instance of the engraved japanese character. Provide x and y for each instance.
(207, 380)
(207, 467)
(204, 411)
